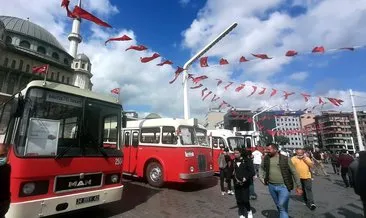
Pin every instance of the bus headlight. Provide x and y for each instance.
(189, 153)
(114, 178)
(29, 188)
(210, 166)
(191, 169)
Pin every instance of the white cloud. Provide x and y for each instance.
(299, 76)
(147, 84)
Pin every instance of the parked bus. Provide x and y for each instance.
(166, 150)
(54, 134)
(221, 139)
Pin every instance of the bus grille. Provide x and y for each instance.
(202, 163)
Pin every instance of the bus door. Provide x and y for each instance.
(217, 144)
(130, 150)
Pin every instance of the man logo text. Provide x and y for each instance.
(80, 183)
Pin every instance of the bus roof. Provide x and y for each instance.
(222, 132)
(71, 90)
(161, 122)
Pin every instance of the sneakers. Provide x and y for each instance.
(312, 207)
(242, 216)
(230, 192)
(222, 193)
(250, 214)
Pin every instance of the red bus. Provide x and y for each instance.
(55, 134)
(166, 150)
(221, 139)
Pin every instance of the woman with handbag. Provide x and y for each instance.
(243, 177)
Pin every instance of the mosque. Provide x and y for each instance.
(24, 44)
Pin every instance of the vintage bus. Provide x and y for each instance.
(55, 134)
(223, 138)
(166, 150)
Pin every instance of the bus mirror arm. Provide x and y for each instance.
(20, 107)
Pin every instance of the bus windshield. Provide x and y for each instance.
(202, 137)
(59, 124)
(235, 142)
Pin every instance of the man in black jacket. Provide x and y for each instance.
(243, 177)
(4, 182)
(357, 171)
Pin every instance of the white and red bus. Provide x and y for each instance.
(166, 150)
(221, 139)
(59, 163)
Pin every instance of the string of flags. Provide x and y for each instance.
(255, 89)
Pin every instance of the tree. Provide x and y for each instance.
(282, 140)
(265, 138)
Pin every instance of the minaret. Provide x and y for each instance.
(75, 37)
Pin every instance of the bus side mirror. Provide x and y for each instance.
(124, 121)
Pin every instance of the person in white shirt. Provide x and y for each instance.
(257, 160)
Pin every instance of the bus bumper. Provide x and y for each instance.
(47, 206)
(189, 176)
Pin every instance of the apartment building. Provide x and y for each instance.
(335, 131)
(309, 124)
(361, 115)
(214, 119)
(290, 120)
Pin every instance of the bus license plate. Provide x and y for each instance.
(87, 199)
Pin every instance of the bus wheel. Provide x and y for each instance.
(154, 174)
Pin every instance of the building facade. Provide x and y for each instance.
(290, 120)
(238, 119)
(361, 116)
(214, 119)
(24, 45)
(335, 131)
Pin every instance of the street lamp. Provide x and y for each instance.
(273, 138)
(358, 132)
(195, 57)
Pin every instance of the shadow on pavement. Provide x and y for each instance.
(271, 214)
(133, 195)
(194, 185)
(345, 212)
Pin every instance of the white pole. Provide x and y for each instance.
(254, 123)
(195, 57)
(358, 132)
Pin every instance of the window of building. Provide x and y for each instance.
(66, 61)
(13, 64)
(76, 65)
(6, 62)
(8, 40)
(55, 55)
(63, 79)
(41, 50)
(27, 68)
(68, 80)
(52, 75)
(58, 76)
(21, 65)
(83, 66)
(150, 135)
(24, 44)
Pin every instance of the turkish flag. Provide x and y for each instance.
(81, 13)
(261, 56)
(223, 61)
(40, 69)
(165, 62)
(115, 91)
(274, 92)
(319, 49)
(262, 92)
(199, 79)
(240, 87)
(291, 53)
(203, 62)
(122, 38)
(306, 96)
(196, 87)
(243, 59)
(177, 73)
(148, 59)
(136, 47)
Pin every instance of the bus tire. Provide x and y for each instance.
(155, 174)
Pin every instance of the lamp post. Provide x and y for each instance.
(358, 132)
(273, 138)
(195, 57)
(254, 123)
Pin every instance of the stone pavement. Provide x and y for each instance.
(203, 199)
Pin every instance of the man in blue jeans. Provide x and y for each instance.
(278, 172)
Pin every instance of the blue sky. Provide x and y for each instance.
(177, 30)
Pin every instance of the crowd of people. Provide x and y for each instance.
(284, 171)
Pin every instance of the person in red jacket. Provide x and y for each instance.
(344, 161)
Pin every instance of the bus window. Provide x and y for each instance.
(248, 142)
(215, 141)
(221, 143)
(127, 139)
(6, 113)
(168, 135)
(201, 135)
(150, 135)
(187, 135)
(135, 138)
